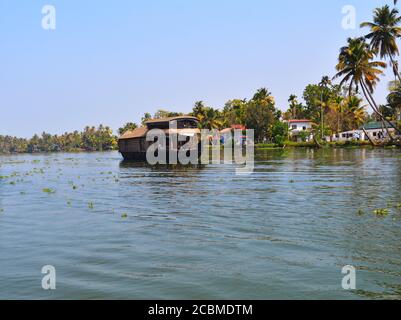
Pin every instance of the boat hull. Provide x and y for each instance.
(141, 156)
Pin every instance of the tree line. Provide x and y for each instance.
(90, 139)
(333, 108)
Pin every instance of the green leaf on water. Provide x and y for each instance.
(381, 212)
(90, 205)
(360, 212)
(124, 215)
(48, 190)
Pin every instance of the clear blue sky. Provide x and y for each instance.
(110, 61)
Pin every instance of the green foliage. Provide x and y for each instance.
(146, 117)
(300, 144)
(91, 139)
(381, 212)
(279, 133)
(208, 117)
(129, 126)
(303, 135)
(48, 191)
(166, 114)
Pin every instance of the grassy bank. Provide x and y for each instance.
(291, 144)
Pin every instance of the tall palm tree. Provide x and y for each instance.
(355, 111)
(324, 83)
(384, 31)
(264, 95)
(292, 100)
(394, 99)
(198, 109)
(338, 107)
(210, 119)
(355, 66)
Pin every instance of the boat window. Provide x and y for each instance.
(187, 124)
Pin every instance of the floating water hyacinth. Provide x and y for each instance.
(360, 212)
(90, 205)
(48, 190)
(124, 215)
(381, 212)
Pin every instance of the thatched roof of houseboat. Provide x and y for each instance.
(162, 120)
(142, 131)
(137, 133)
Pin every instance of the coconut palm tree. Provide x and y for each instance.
(394, 99)
(324, 83)
(210, 119)
(384, 31)
(292, 100)
(355, 66)
(338, 107)
(355, 111)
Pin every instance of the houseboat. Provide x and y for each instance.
(133, 145)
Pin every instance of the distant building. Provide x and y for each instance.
(227, 134)
(375, 130)
(300, 130)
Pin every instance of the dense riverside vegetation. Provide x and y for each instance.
(333, 108)
(90, 139)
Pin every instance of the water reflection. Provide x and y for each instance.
(199, 232)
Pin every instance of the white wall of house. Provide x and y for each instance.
(359, 135)
(299, 126)
(295, 127)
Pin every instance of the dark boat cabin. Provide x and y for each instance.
(133, 145)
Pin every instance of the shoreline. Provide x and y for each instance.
(258, 147)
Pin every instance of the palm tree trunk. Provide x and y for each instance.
(377, 111)
(316, 142)
(395, 67)
(375, 108)
(366, 134)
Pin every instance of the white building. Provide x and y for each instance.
(375, 131)
(300, 130)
